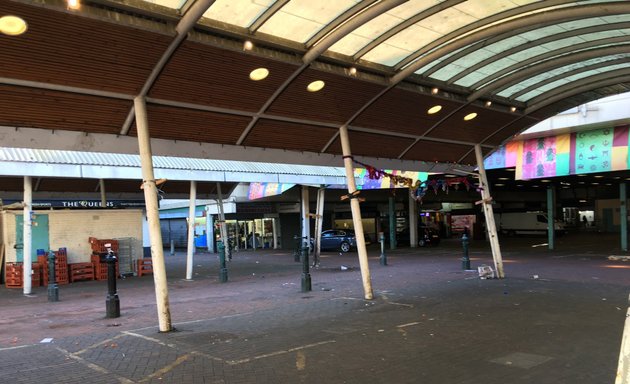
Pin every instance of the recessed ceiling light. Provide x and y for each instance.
(12, 25)
(74, 4)
(435, 90)
(499, 185)
(470, 116)
(259, 74)
(519, 185)
(617, 177)
(535, 186)
(608, 183)
(581, 182)
(598, 176)
(595, 183)
(315, 86)
(581, 175)
(510, 169)
(450, 176)
(352, 71)
(545, 181)
(434, 109)
(504, 178)
(582, 201)
(488, 103)
(512, 109)
(248, 45)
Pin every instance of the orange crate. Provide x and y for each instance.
(144, 266)
(80, 271)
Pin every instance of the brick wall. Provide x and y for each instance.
(71, 229)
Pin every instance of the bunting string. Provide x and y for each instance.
(417, 189)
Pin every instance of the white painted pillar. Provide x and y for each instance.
(413, 222)
(486, 203)
(274, 229)
(27, 236)
(623, 369)
(101, 187)
(356, 214)
(191, 230)
(254, 242)
(153, 216)
(209, 231)
(306, 223)
(319, 221)
(222, 224)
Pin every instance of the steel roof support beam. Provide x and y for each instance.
(558, 62)
(590, 83)
(339, 20)
(539, 59)
(316, 50)
(442, 47)
(549, 80)
(523, 47)
(404, 25)
(268, 14)
(186, 23)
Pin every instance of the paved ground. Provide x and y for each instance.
(430, 321)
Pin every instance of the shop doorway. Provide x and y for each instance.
(39, 236)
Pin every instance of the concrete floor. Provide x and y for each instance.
(430, 321)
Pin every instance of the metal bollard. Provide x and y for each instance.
(112, 303)
(465, 258)
(306, 276)
(223, 274)
(298, 248)
(53, 288)
(381, 239)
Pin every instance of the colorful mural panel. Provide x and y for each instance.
(593, 151)
(260, 190)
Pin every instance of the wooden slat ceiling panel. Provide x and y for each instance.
(475, 130)
(369, 144)
(336, 103)
(470, 158)
(404, 111)
(201, 74)
(11, 184)
(284, 135)
(57, 49)
(59, 110)
(431, 151)
(200, 126)
(511, 130)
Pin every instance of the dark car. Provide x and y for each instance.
(338, 239)
(426, 236)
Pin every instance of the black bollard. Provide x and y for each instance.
(112, 303)
(465, 258)
(383, 258)
(306, 276)
(53, 288)
(223, 274)
(298, 248)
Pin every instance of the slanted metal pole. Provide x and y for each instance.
(101, 187)
(392, 223)
(306, 222)
(274, 228)
(153, 216)
(551, 217)
(27, 235)
(319, 220)
(191, 230)
(623, 369)
(486, 203)
(413, 222)
(356, 213)
(623, 217)
(222, 224)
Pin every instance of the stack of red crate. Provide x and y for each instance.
(99, 252)
(61, 266)
(14, 275)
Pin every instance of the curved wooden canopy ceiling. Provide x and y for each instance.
(80, 69)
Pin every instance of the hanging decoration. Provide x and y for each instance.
(417, 188)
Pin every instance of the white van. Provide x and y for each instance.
(525, 223)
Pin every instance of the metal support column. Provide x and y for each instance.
(209, 231)
(153, 216)
(274, 229)
(101, 187)
(190, 250)
(392, 223)
(306, 222)
(319, 219)
(486, 203)
(623, 216)
(222, 224)
(356, 213)
(413, 222)
(551, 217)
(27, 235)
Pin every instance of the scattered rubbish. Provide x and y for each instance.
(47, 340)
(535, 277)
(381, 330)
(344, 268)
(603, 299)
(326, 289)
(485, 272)
(619, 258)
(113, 325)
